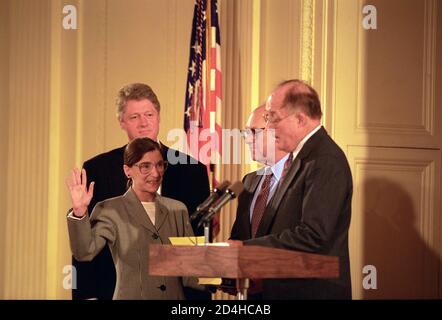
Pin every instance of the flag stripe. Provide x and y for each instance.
(203, 91)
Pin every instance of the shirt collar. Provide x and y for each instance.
(276, 169)
(303, 141)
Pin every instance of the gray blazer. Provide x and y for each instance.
(123, 224)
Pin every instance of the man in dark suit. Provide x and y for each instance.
(262, 149)
(257, 137)
(310, 211)
(138, 111)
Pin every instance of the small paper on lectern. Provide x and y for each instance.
(199, 241)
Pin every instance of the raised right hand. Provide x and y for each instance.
(80, 196)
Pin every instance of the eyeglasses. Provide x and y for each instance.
(271, 118)
(250, 132)
(146, 167)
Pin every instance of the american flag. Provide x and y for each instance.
(202, 111)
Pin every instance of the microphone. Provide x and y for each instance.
(217, 192)
(231, 193)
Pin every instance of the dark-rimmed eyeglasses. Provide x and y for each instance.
(272, 118)
(250, 132)
(146, 167)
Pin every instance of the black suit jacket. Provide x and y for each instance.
(310, 211)
(187, 182)
(242, 229)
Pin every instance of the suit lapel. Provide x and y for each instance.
(272, 207)
(255, 181)
(172, 176)
(251, 184)
(164, 150)
(136, 210)
(287, 181)
(161, 212)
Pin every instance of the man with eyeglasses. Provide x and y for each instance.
(259, 186)
(262, 148)
(310, 210)
(138, 113)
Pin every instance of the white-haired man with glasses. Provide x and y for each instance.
(311, 209)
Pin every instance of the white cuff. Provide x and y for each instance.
(71, 215)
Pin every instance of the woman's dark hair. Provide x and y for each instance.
(136, 149)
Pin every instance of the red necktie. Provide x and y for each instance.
(261, 203)
(287, 164)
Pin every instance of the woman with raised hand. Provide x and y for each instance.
(128, 224)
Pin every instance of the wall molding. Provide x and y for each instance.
(307, 40)
(425, 166)
(428, 83)
(52, 274)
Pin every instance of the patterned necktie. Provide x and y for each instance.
(287, 164)
(261, 203)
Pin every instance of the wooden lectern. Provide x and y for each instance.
(241, 263)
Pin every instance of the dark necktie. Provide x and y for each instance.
(261, 203)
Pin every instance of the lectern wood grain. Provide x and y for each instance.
(239, 262)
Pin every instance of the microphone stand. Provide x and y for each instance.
(206, 232)
(241, 286)
(206, 222)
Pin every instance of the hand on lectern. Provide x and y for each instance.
(235, 243)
